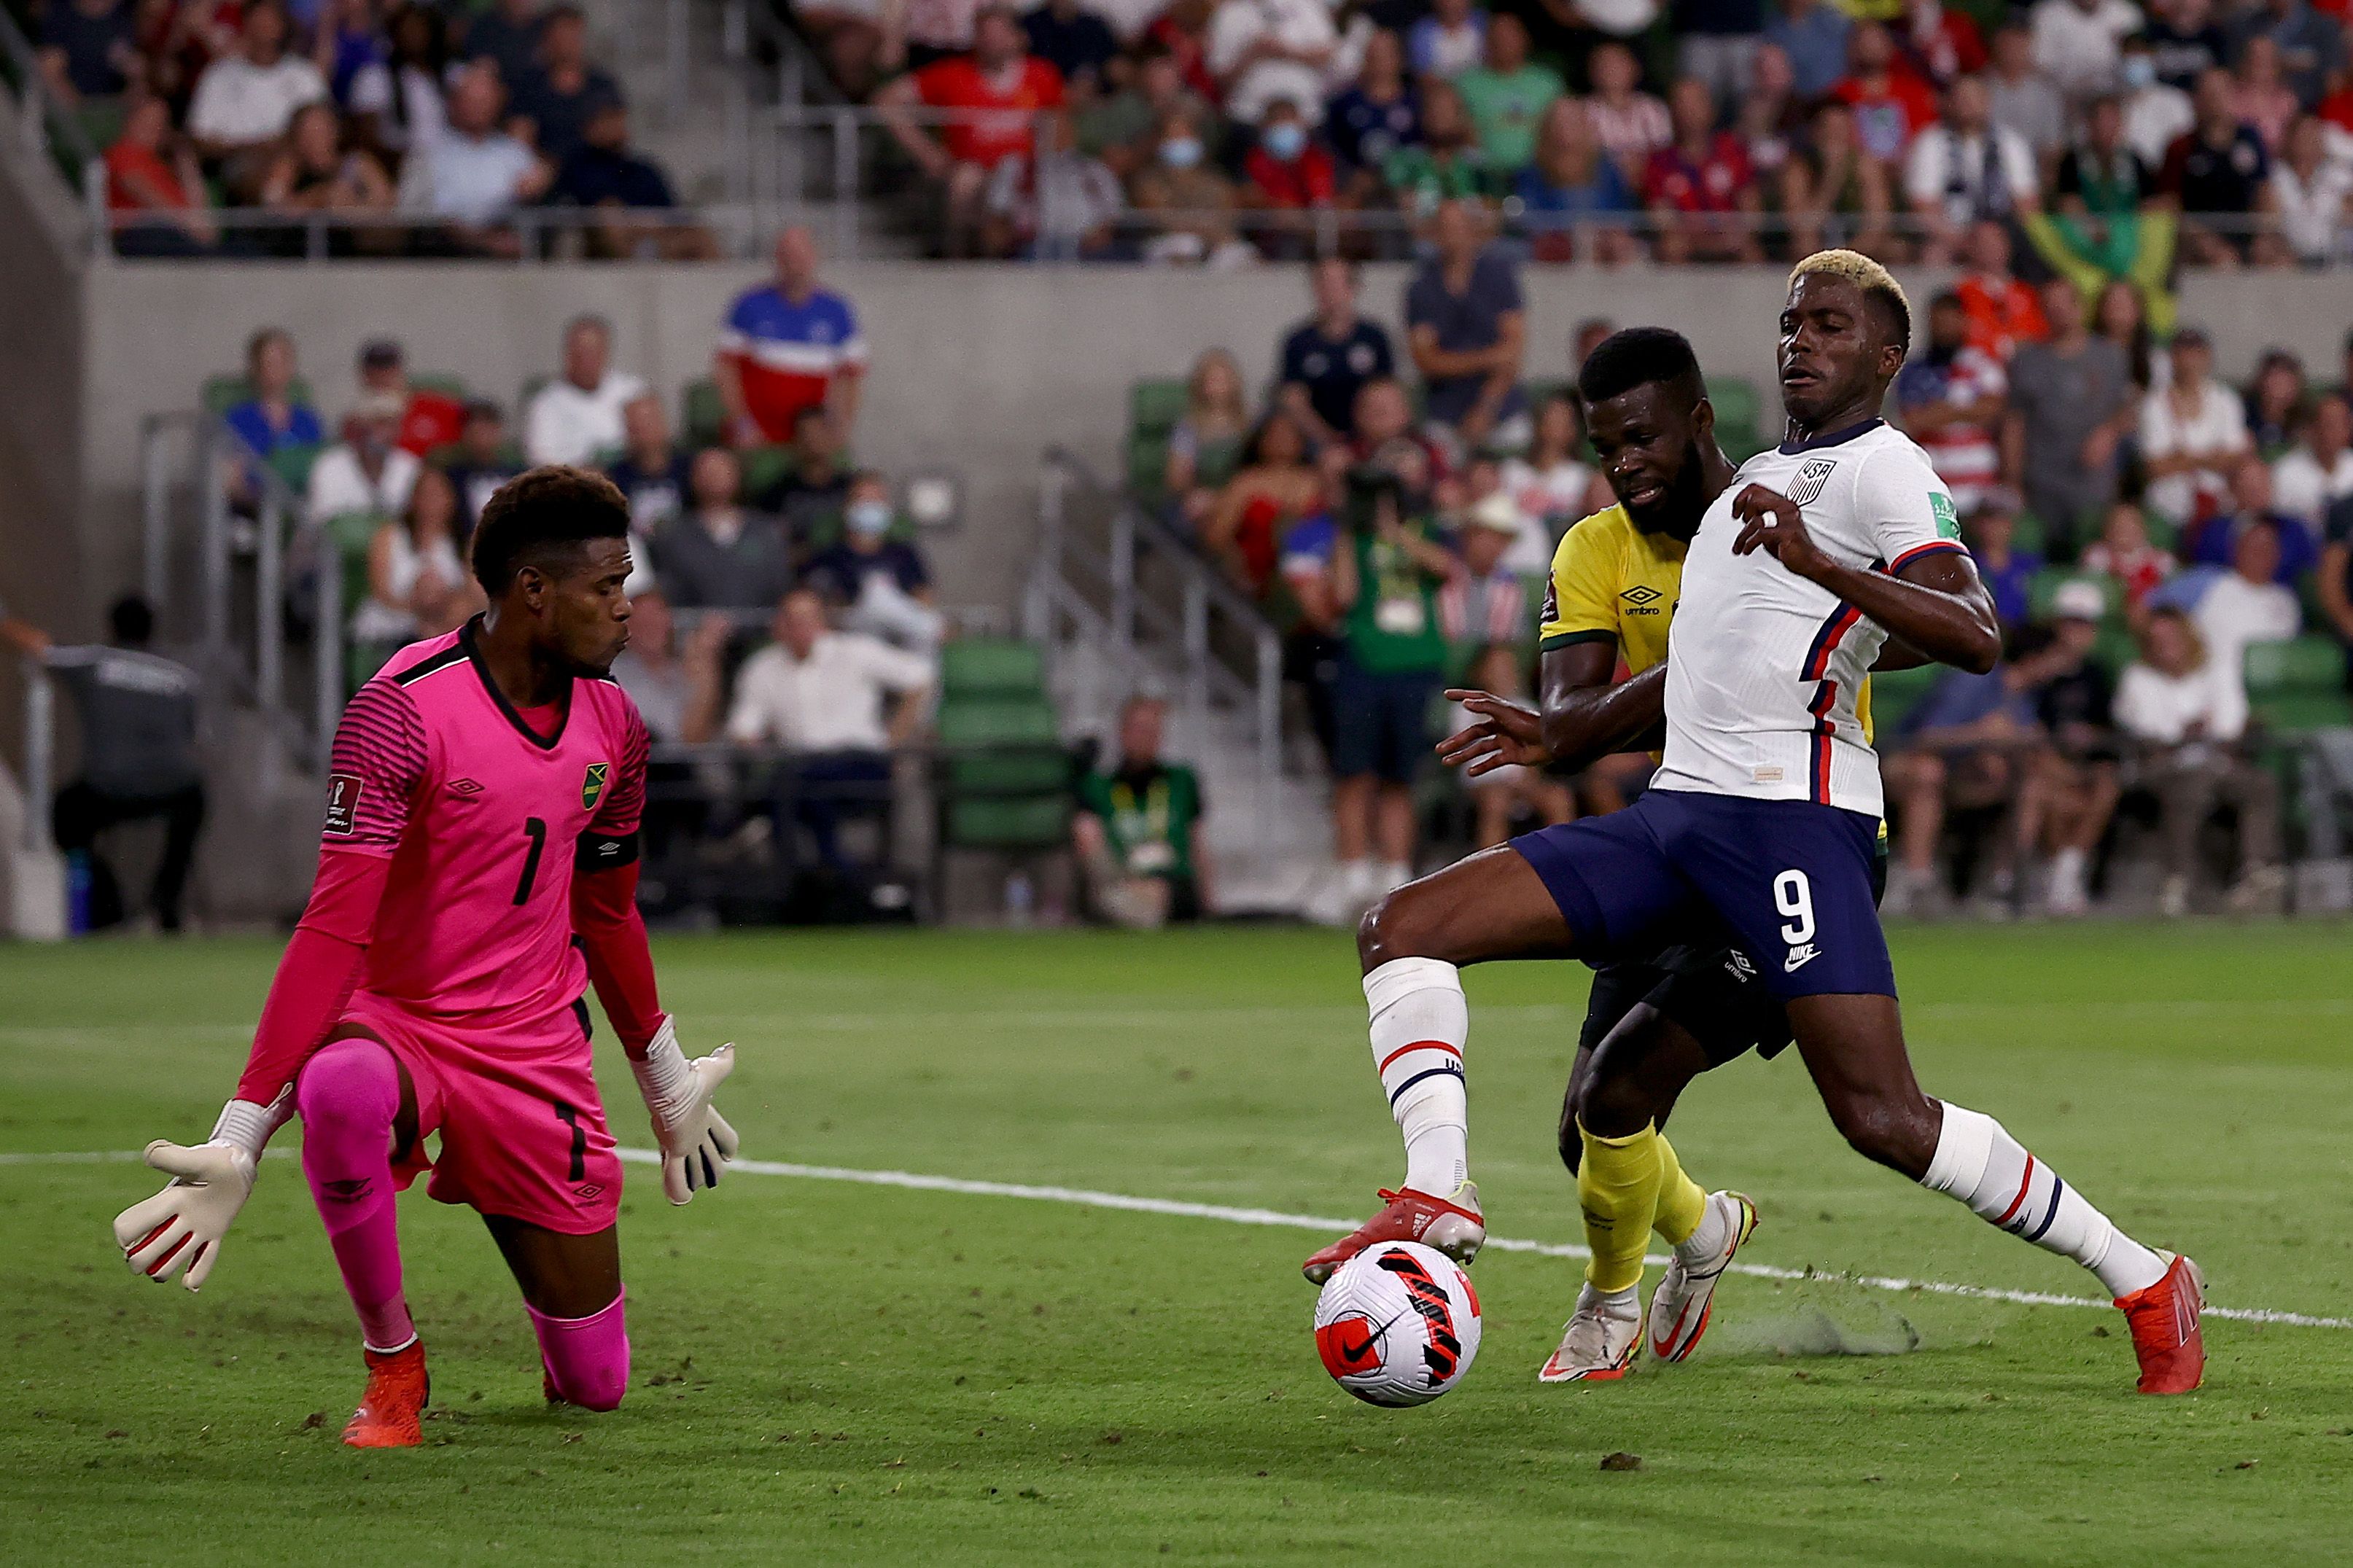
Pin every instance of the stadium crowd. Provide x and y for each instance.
(2112, 138)
(456, 121)
(2142, 525)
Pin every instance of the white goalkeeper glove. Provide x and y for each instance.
(695, 1139)
(181, 1227)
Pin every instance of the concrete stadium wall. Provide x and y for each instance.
(975, 367)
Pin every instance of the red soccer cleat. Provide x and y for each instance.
(1455, 1228)
(2163, 1318)
(397, 1389)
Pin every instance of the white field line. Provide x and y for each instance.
(1308, 1014)
(1178, 1208)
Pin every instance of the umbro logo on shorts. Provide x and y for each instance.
(1799, 956)
(587, 1194)
(465, 788)
(1737, 964)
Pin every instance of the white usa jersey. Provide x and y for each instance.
(1764, 666)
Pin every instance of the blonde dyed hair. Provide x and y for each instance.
(1876, 282)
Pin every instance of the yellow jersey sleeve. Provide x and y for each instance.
(1581, 600)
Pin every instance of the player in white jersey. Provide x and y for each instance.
(1765, 810)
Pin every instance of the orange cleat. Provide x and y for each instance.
(1454, 1228)
(397, 1389)
(2164, 1322)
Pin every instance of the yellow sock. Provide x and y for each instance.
(1682, 1204)
(1618, 1187)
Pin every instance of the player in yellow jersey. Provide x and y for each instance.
(1654, 1021)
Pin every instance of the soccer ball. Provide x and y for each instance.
(1398, 1325)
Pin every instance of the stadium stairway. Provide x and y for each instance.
(1103, 565)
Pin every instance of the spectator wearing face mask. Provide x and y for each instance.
(1289, 179)
(1190, 203)
(879, 585)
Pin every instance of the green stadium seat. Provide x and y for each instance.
(702, 414)
(1040, 822)
(2046, 583)
(2301, 712)
(1147, 465)
(2306, 664)
(1154, 407)
(972, 667)
(293, 464)
(1894, 693)
(222, 392)
(982, 722)
(765, 467)
(1738, 416)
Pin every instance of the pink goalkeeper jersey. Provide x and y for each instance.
(482, 818)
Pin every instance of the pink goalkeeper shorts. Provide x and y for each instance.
(523, 1129)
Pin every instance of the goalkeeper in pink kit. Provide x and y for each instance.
(477, 874)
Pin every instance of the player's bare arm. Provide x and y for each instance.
(1584, 718)
(1937, 604)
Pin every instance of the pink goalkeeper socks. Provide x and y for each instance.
(348, 1094)
(587, 1359)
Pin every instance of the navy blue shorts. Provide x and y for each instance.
(1790, 879)
(1380, 723)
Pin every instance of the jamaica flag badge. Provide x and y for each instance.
(592, 782)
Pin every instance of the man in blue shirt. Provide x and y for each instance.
(1812, 33)
(1468, 331)
(1328, 359)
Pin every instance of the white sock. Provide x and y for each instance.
(1621, 1305)
(1419, 1022)
(1700, 1247)
(1986, 1168)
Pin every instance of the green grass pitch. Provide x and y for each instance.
(835, 1372)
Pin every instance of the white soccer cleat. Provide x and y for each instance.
(1597, 1345)
(1680, 1308)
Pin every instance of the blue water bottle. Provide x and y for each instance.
(78, 893)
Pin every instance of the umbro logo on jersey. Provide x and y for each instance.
(1808, 487)
(1737, 964)
(1799, 956)
(465, 789)
(1641, 594)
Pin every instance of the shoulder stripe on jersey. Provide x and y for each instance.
(428, 664)
(1917, 551)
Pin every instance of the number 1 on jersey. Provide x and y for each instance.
(536, 831)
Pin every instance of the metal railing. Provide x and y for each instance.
(41, 752)
(199, 456)
(46, 127)
(1111, 576)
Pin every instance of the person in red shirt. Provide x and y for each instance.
(985, 107)
(1890, 103)
(1291, 175)
(429, 419)
(1940, 43)
(2004, 311)
(150, 170)
(1700, 187)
